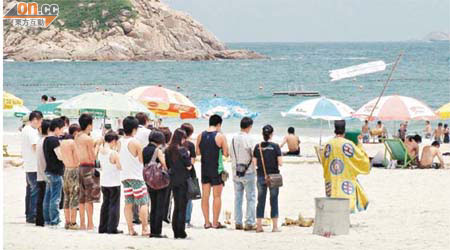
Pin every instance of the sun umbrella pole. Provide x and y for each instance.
(386, 84)
(320, 140)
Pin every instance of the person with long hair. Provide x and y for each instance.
(179, 163)
(189, 129)
(271, 155)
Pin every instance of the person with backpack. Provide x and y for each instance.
(158, 197)
(244, 176)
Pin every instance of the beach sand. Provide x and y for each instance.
(409, 209)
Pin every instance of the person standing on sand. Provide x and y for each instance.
(271, 155)
(244, 176)
(211, 144)
(134, 188)
(71, 184)
(41, 165)
(342, 161)
(293, 143)
(365, 131)
(438, 132)
(446, 134)
(427, 130)
(189, 129)
(110, 185)
(428, 155)
(30, 138)
(86, 155)
(53, 172)
(179, 164)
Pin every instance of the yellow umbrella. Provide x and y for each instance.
(444, 111)
(10, 100)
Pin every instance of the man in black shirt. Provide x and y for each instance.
(54, 172)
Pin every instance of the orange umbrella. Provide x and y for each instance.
(165, 102)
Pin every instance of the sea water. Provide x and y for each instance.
(423, 73)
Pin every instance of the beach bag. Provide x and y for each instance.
(154, 175)
(193, 187)
(240, 168)
(272, 180)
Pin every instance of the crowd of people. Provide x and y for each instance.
(66, 168)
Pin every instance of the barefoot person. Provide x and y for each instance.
(412, 145)
(71, 186)
(428, 131)
(134, 188)
(342, 161)
(365, 130)
(54, 172)
(271, 154)
(86, 155)
(211, 144)
(110, 185)
(438, 133)
(293, 143)
(428, 155)
(30, 137)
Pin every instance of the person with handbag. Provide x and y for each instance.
(158, 197)
(267, 157)
(110, 184)
(179, 164)
(212, 145)
(244, 176)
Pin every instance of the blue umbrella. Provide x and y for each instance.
(224, 107)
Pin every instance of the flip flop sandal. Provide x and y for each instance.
(146, 234)
(133, 234)
(207, 227)
(260, 230)
(219, 226)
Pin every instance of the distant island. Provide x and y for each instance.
(437, 36)
(116, 30)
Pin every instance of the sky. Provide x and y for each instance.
(318, 20)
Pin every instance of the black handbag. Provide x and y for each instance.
(272, 180)
(241, 168)
(193, 187)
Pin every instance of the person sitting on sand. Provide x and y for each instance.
(365, 131)
(427, 130)
(88, 188)
(293, 143)
(438, 132)
(428, 155)
(342, 161)
(71, 178)
(412, 145)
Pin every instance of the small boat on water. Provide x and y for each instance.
(297, 92)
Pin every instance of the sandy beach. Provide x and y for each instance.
(408, 210)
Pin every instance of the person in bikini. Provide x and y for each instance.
(210, 144)
(71, 186)
(86, 155)
(428, 155)
(293, 143)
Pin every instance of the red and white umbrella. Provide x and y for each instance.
(396, 108)
(165, 102)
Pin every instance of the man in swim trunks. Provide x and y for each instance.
(71, 185)
(428, 130)
(365, 131)
(429, 153)
(88, 187)
(438, 132)
(293, 143)
(210, 145)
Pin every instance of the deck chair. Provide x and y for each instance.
(398, 151)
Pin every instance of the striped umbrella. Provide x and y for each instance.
(101, 105)
(321, 108)
(395, 108)
(444, 111)
(165, 102)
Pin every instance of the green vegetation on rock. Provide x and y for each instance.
(73, 13)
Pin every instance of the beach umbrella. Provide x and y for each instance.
(395, 108)
(103, 104)
(164, 102)
(444, 111)
(226, 108)
(321, 108)
(49, 108)
(10, 100)
(16, 111)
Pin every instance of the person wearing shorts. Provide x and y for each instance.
(210, 145)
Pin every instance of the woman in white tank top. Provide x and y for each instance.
(110, 184)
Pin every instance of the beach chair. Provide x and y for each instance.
(398, 151)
